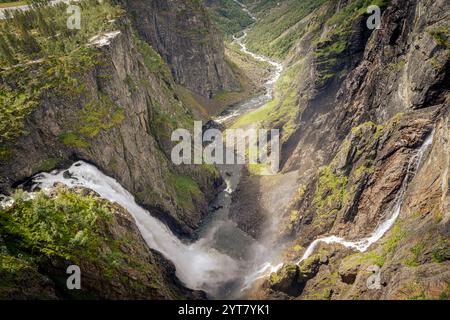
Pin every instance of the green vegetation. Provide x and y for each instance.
(395, 67)
(354, 261)
(415, 291)
(152, 59)
(281, 112)
(256, 116)
(373, 258)
(440, 252)
(72, 140)
(330, 194)
(228, 16)
(185, 190)
(43, 235)
(49, 164)
(388, 247)
(212, 170)
(361, 170)
(164, 121)
(359, 130)
(40, 54)
(396, 235)
(40, 237)
(64, 226)
(327, 57)
(279, 30)
(441, 35)
(17, 272)
(100, 114)
(336, 40)
(445, 294)
(288, 271)
(257, 169)
(416, 250)
(377, 256)
(260, 6)
(286, 22)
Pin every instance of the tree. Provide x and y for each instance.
(6, 51)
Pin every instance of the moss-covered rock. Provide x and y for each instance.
(286, 279)
(44, 235)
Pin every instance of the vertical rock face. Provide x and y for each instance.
(131, 139)
(365, 101)
(183, 34)
(118, 112)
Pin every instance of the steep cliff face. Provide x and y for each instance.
(101, 94)
(337, 70)
(412, 260)
(79, 228)
(118, 113)
(354, 105)
(183, 34)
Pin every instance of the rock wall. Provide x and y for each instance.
(364, 102)
(130, 138)
(183, 34)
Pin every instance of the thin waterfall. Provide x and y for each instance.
(363, 244)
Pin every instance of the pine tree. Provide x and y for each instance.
(29, 43)
(6, 52)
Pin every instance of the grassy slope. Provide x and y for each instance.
(228, 16)
(281, 28)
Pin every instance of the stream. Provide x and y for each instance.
(363, 244)
(219, 262)
(225, 260)
(256, 102)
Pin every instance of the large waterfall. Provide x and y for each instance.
(219, 261)
(198, 265)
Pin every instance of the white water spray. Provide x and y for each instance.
(198, 265)
(363, 244)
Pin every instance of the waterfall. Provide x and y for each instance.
(363, 244)
(198, 265)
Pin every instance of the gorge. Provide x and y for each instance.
(86, 125)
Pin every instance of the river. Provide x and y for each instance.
(224, 256)
(224, 260)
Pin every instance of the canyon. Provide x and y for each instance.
(85, 154)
